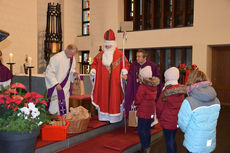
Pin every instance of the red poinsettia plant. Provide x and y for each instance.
(21, 111)
(194, 67)
(182, 68)
(184, 72)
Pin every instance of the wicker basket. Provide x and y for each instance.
(78, 126)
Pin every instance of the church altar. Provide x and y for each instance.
(38, 82)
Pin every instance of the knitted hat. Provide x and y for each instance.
(146, 72)
(109, 37)
(172, 74)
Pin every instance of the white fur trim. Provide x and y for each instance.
(112, 118)
(93, 72)
(109, 42)
(5, 83)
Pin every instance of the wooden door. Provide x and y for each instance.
(221, 73)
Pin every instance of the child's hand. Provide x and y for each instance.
(133, 105)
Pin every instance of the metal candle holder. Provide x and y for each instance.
(30, 75)
(11, 66)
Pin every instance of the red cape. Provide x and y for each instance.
(107, 92)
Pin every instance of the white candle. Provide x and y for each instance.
(11, 57)
(80, 58)
(29, 61)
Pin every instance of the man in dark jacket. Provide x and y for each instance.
(132, 81)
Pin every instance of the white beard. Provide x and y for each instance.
(107, 57)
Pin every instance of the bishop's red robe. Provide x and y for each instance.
(107, 93)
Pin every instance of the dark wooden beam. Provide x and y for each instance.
(172, 57)
(153, 14)
(173, 13)
(152, 55)
(136, 15)
(126, 10)
(183, 55)
(162, 13)
(162, 60)
(144, 14)
(184, 6)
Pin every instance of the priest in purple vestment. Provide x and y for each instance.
(5, 74)
(60, 72)
(132, 80)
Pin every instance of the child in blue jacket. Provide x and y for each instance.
(198, 114)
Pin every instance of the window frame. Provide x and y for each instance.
(128, 7)
(85, 9)
(159, 14)
(84, 63)
(152, 55)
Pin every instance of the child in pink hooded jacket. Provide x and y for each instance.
(145, 102)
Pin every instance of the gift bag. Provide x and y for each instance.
(78, 87)
(133, 120)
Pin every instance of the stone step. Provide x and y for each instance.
(115, 141)
(71, 141)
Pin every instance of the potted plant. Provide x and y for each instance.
(184, 72)
(22, 114)
(182, 69)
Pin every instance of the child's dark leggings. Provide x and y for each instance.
(170, 140)
(144, 128)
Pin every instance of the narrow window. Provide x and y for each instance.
(85, 17)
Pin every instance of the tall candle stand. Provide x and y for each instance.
(11, 66)
(30, 72)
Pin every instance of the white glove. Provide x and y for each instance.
(93, 72)
(124, 72)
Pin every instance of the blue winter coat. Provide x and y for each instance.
(197, 118)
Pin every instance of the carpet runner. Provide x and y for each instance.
(112, 142)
